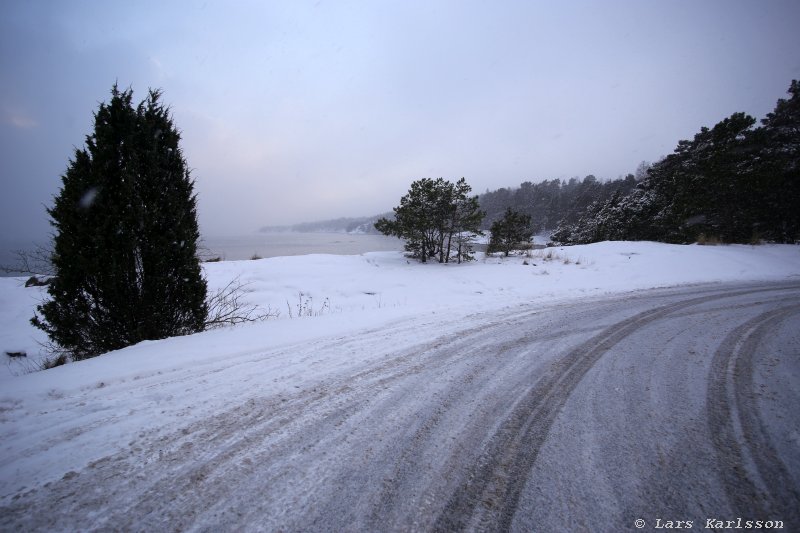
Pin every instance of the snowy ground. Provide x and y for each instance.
(374, 288)
(363, 311)
(364, 290)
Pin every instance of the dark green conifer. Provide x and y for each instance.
(511, 231)
(436, 218)
(777, 171)
(125, 237)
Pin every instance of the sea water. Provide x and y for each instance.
(238, 247)
(233, 248)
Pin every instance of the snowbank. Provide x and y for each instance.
(356, 310)
(341, 294)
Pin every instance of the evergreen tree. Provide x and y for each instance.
(777, 171)
(125, 236)
(465, 222)
(511, 231)
(434, 216)
(414, 219)
(704, 188)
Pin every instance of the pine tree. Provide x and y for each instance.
(703, 188)
(511, 231)
(465, 222)
(777, 171)
(415, 219)
(432, 217)
(125, 237)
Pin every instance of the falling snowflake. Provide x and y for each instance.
(88, 197)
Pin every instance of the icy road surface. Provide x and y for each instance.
(586, 415)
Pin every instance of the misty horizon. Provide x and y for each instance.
(301, 112)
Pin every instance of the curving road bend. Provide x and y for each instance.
(665, 405)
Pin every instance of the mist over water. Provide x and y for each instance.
(239, 247)
(264, 245)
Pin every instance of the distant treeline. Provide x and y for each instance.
(733, 183)
(552, 202)
(548, 203)
(336, 225)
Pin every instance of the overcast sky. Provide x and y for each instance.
(295, 111)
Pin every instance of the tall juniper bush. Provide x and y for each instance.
(125, 238)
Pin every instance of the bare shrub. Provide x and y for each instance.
(708, 240)
(305, 306)
(227, 307)
(35, 261)
(206, 255)
(54, 360)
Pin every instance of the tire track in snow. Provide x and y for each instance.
(209, 452)
(243, 467)
(395, 493)
(487, 499)
(737, 431)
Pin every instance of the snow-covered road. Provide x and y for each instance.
(582, 415)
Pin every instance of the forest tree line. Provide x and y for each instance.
(552, 202)
(735, 182)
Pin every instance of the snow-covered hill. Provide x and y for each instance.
(354, 291)
(338, 316)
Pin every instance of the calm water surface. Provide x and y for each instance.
(281, 244)
(239, 247)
